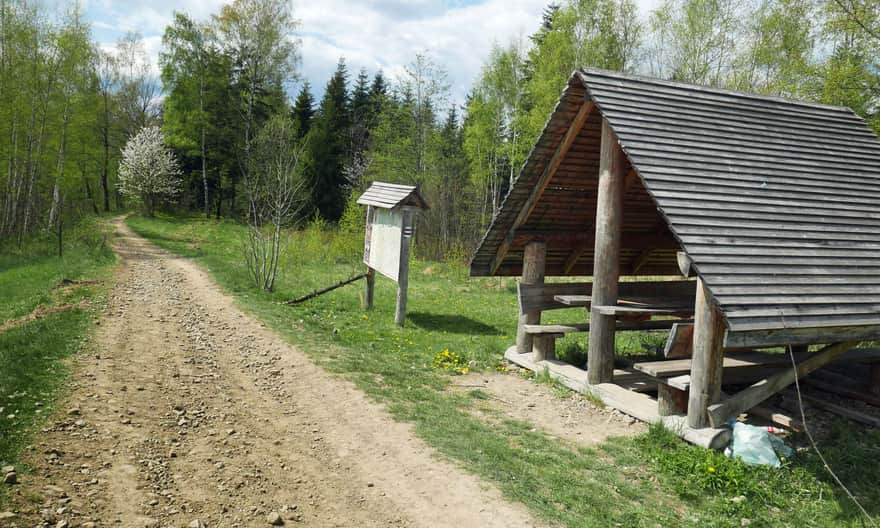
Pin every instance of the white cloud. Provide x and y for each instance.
(371, 34)
(388, 35)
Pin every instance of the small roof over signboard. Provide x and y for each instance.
(392, 196)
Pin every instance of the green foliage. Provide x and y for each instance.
(33, 369)
(329, 149)
(304, 110)
(349, 238)
(598, 33)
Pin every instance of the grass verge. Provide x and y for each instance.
(33, 370)
(654, 480)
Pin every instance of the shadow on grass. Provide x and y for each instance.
(454, 324)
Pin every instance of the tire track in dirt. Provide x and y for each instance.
(189, 413)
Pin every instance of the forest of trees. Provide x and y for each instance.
(68, 107)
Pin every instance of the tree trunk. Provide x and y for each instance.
(204, 159)
(59, 172)
(105, 167)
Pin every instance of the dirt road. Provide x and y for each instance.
(187, 412)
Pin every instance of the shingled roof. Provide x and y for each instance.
(391, 195)
(776, 202)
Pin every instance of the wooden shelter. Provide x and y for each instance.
(773, 205)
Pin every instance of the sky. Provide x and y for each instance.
(372, 34)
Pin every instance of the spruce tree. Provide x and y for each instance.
(360, 97)
(303, 111)
(329, 147)
(378, 93)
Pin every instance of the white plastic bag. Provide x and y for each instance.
(756, 446)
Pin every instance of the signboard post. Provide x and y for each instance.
(391, 211)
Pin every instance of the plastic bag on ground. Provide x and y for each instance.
(756, 446)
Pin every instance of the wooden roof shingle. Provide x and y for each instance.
(391, 195)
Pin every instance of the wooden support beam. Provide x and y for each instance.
(661, 229)
(560, 238)
(533, 273)
(606, 261)
(640, 260)
(572, 259)
(403, 274)
(708, 357)
(571, 135)
(741, 402)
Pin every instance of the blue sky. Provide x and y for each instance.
(371, 34)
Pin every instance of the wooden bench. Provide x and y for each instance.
(674, 380)
(634, 297)
(545, 335)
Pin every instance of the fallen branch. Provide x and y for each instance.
(325, 290)
(39, 313)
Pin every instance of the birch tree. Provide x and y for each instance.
(277, 192)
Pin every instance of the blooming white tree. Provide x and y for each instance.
(148, 171)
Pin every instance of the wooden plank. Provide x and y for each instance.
(746, 360)
(708, 357)
(806, 336)
(623, 395)
(567, 141)
(564, 237)
(639, 326)
(580, 301)
(623, 311)
(720, 413)
(840, 410)
(576, 378)
(843, 390)
(679, 344)
(606, 261)
(542, 296)
(533, 274)
(777, 418)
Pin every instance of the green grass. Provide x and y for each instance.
(653, 480)
(33, 370)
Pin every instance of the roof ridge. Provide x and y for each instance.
(585, 72)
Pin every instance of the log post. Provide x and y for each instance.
(708, 358)
(369, 288)
(403, 275)
(545, 346)
(606, 259)
(670, 400)
(371, 273)
(534, 257)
